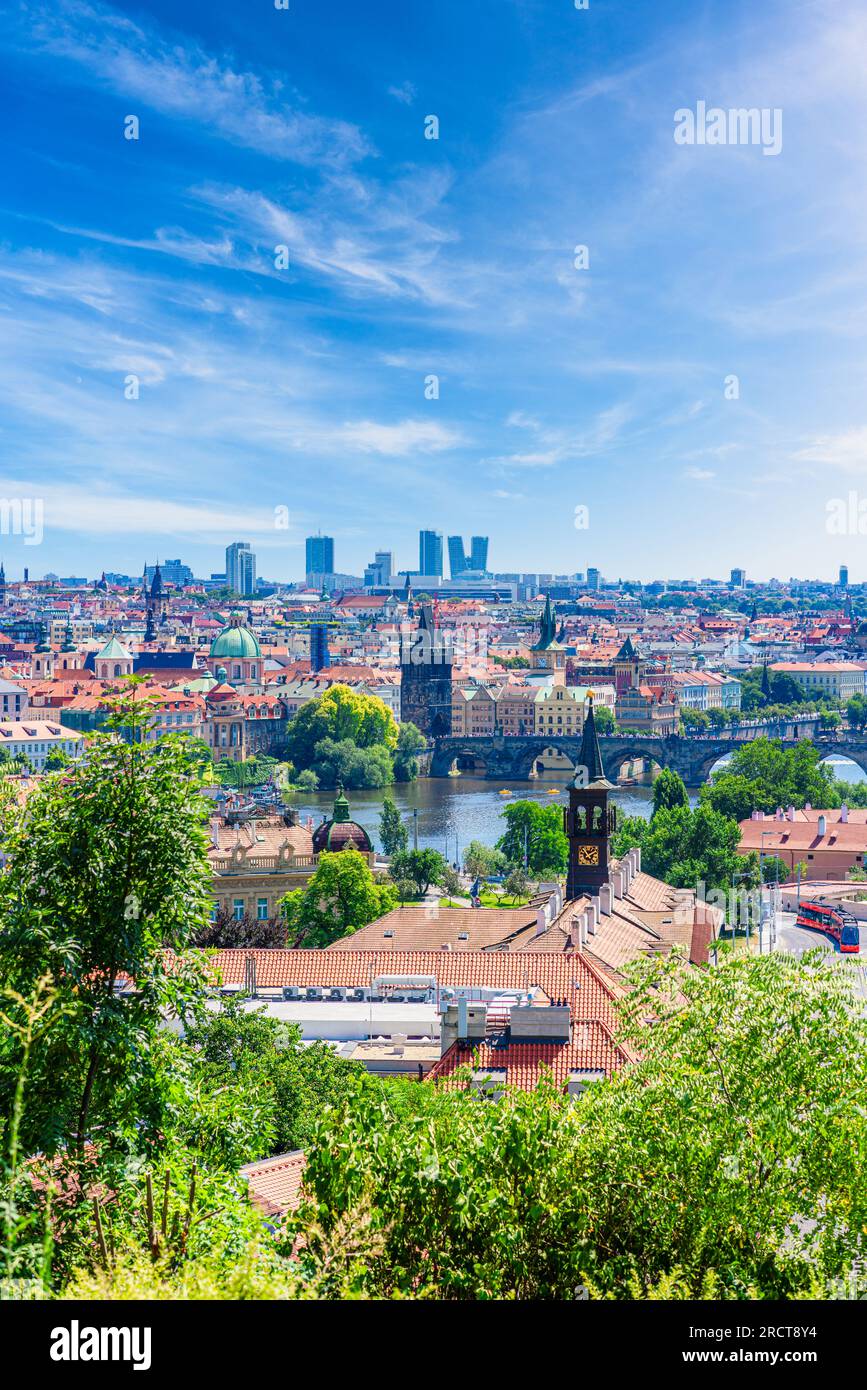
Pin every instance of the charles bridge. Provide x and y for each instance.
(692, 756)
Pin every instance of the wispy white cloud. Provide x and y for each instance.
(178, 79)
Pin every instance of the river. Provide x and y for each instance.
(464, 808)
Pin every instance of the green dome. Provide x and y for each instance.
(236, 642)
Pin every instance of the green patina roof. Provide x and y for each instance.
(113, 651)
(236, 641)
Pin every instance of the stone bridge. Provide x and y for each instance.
(512, 759)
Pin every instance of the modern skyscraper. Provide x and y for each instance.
(593, 578)
(738, 578)
(844, 576)
(240, 568)
(457, 557)
(430, 553)
(320, 555)
(379, 571)
(479, 553)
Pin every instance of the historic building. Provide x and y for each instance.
(237, 653)
(547, 653)
(342, 832)
(589, 820)
(113, 662)
(426, 670)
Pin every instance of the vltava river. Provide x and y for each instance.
(470, 808)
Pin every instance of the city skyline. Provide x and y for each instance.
(435, 345)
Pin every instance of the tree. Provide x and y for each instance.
(762, 775)
(856, 711)
(516, 884)
(669, 790)
(422, 866)
(830, 719)
(450, 882)
(605, 723)
(542, 828)
(689, 849)
(107, 866)
(720, 1165)
(410, 742)
(695, 720)
(341, 715)
(342, 896)
(482, 861)
(392, 831)
(342, 762)
(239, 1050)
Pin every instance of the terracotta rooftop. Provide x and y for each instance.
(275, 1183)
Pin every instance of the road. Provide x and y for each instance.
(797, 940)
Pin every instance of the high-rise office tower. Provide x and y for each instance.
(240, 568)
(594, 578)
(320, 555)
(430, 553)
(379, 571)
(479, 553)
(457, 557)
(738, 578)
(844, 576)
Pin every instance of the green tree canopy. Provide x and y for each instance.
(669, 790)
(724, 1164)
(342, 896)
(107, 866)
(340, 715)
(392, 831)
(763, 774)
(482, 861)
(422, 867)
(547, 846)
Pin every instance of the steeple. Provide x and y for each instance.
(547, 628)
(590, 765)
(588, 821)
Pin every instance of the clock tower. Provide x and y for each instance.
(589, 820)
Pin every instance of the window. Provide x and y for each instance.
(490, 1084)
(238, 909)
(262, 909)
(581, 1078)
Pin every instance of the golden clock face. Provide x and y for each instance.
(588, 854)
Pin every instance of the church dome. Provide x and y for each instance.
(236, 642)
(341, 830)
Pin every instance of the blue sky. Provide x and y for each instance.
(304, 388)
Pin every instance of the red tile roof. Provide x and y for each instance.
(275, 1183)
(570, 977)
(527, 1063)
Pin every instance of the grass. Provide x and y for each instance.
(488, 899)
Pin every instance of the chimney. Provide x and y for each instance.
(605, 899)
(778, 814)
(790, 813)
(215, 831)
(593, 916)
(616, 881)
(844, 814)
(637, 853)
(576, 930)
(823, 825)
(541, 921)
